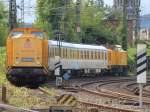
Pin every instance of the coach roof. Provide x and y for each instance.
(79, 46)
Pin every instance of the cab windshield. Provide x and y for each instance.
(17, 34)
(38, 34)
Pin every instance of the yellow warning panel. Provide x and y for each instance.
(67, 99)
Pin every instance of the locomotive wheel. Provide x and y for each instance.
(17, 82)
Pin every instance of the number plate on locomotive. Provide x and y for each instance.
(27, 59)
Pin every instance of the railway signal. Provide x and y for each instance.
(58, 81)
(58, 70)
(141, 68)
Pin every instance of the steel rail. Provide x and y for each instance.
(11, 108)
(115, 109)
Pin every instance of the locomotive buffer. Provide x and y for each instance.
(141, 69)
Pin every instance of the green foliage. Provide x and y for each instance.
(132, 58)
(94, 28)
(53, 16)
(2, 64)
(3, 24)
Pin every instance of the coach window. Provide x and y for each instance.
(84, 54)
(87, 54)
(81, 54)
(65, 49)
(51, 52)
(91, 54)
(64, 53)
(99, 57)
(105, 56)
(68, 53)
(72, 53)
(102, 55)
(96, 55)
(56, 52)
(77, 54)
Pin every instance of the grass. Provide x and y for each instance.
(132, 53)
(2, 64)
(22, 97)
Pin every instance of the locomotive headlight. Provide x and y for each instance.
(17, 60)
(38, 60)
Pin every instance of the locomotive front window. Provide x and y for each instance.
(16, 34)
(38, 34)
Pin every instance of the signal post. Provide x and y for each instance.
(58, 70)
(141, 69)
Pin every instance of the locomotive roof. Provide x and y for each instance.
(79, 46)
(25, 29)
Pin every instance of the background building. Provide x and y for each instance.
(132, 7)
(145, 34)
(133, 13)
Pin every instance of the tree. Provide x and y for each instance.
(94, 29)
(56, 15)
(3, 24)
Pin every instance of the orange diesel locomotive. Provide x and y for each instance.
(31, 58)
(27, 54)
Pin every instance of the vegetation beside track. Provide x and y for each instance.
(2, 64)
(132, 60)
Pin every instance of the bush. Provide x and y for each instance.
(132, 58)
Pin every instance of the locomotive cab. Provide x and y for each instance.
(26, 57)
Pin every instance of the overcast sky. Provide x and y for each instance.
(30, 16)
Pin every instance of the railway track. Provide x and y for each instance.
(10, 108)
(89, 94)
(92, 89)
(126, 96)
(82, 103)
